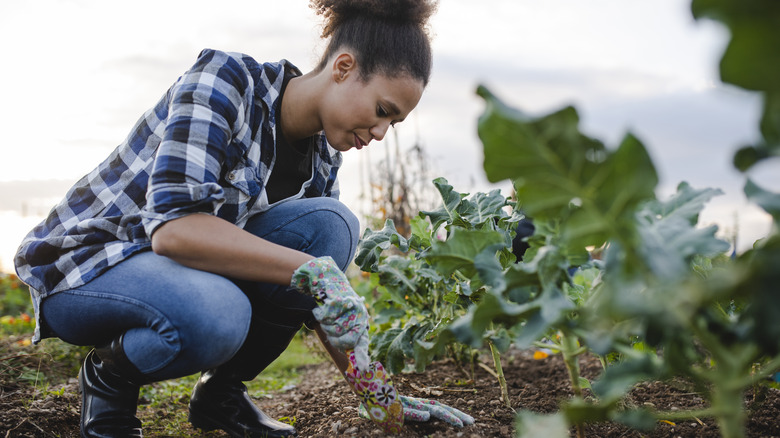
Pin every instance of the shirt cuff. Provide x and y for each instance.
(166, 202)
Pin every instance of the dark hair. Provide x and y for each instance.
(387, 36)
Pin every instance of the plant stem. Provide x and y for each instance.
(732, 418)
(500, 372)
(729, 380)
(570, 352)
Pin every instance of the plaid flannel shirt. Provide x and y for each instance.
(206, 147)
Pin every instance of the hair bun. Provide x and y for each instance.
(335, 12)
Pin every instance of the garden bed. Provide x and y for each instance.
(322, 406)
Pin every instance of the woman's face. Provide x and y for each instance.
(356, 112)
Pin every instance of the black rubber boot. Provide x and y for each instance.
(109, 384)
(220, 399)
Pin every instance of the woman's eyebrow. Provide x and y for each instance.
(393, 107)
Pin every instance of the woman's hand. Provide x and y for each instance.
(341, 312)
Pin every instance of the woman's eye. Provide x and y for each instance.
(381, 111)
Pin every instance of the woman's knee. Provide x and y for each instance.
(221, 321)
(316, 226)
(210, 336)
(340, 232)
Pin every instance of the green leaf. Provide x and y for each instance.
(518, 276)
(395, 276)
(500, 339)
(751, 61)
(549, 262)
(489, 268)
(380, 344)
(747, 156)
(387, 314)
(618, 378)
(531, 425)
(765, 199)
(395, 346)
(395, 352)
(447, 210)
(770, 122)
(539, 315)
(373, 243)
(578, 411)
(559, 173)
(421, 233)
(424, 353)
(484, 208)
(759, 279)
(639, 419)
(686, 203)
(460, 249)
(669, 237)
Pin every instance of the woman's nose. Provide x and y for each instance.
(379, 130)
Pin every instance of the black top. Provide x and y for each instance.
(293, 161)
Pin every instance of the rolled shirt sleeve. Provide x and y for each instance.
(207, 108)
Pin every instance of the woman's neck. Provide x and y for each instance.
(300, 114)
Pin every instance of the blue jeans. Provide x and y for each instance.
(178, 321)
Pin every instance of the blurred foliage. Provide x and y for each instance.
(14, 296)
(751, 61)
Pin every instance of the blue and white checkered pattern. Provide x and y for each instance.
(206, 147)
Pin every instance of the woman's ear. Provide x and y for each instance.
(344, 65)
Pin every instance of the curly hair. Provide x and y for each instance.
(386, 36)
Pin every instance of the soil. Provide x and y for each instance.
(322, 406)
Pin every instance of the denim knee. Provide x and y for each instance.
(343, 227)
(316, 226)
(220, 329)
(212, 336)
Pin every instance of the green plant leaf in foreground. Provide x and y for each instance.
(532, 425)
(765, 199)
(751, 61)
(759, 281)
(559, 173)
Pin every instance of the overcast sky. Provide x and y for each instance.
(76, 74)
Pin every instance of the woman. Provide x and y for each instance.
(213, 232)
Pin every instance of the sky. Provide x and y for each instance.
(77, 74)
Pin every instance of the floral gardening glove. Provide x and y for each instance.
(378, 399)
(420, 409)
(340, 311)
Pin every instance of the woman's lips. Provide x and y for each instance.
(359, 143)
